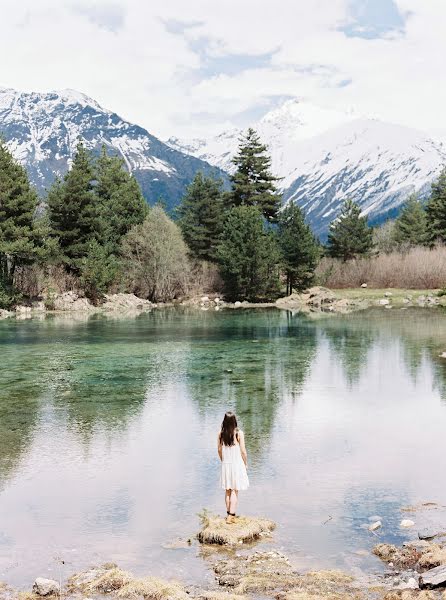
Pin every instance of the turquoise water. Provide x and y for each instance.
(108, 430)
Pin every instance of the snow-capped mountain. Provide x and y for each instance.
(325, 156)
(42, 131)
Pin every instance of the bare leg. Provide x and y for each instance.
(233, 501)
(228, 500)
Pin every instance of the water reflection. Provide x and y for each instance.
(108, 426)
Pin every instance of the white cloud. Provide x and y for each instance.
(173, 79)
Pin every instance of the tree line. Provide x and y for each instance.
(95, 226)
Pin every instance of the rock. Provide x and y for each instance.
(205, 299)
(217, 300)
(4, 314)
(406, 300)
(237, 304)
(45, 587)
(418, 545)
(384, 302)
(388, 294)
(443, 355)
(374, 526)
(410, 584)
(22, 309)
(427, 533)
(407, 523)
(363, 285)
(126, 302)
(433, 577)
(71, 301)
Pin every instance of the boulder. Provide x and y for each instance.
(71, 301)
(4, 314)
(237, 304)
(46, 587)
(427, 533)
(205, 299)
(374, 526)
(363, 285)
(126, 302)
(434, 577)
(388, 294)
(383, 302)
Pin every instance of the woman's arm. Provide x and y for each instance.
(243, 448)
(219, 447)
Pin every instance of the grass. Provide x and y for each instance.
(325, 585)
(153, 588)
(215, 530)
(416, 268)
(111, 580)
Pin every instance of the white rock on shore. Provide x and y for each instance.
(127, 302)
(4, 314)
(45, 587)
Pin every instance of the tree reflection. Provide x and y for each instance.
(257, 360)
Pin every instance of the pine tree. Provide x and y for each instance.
(300, 251)
(252, 183)
(436, 210)
(201, 216)
(349, 235)
(98, 270)
(74, 211)
(411, 224)
(120, 199)
(18, 203)
(248, 256)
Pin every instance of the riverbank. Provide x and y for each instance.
(315, 300)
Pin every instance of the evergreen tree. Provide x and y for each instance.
(349, 235)
(201, 216)
(98, 270)
(252, 183)
(411, 224)
(300, 251)
(248, 256)
(74, 211)
(18, 203)
(120, 199)
(436, 210)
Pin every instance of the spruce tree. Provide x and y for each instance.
(74, 211)
(201, 216)
(436, 210)
(299, 248)
(252, 183)
(248, 256)
(349, 235)
(18, 203)
(120, 200)
(411, 224)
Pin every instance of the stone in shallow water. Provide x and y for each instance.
(407, 523)
(434, 577)
(45, 587)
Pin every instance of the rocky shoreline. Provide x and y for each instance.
(314, 301)
(241, 570)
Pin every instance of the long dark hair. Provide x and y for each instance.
(228, 429)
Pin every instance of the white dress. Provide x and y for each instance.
(233, 470)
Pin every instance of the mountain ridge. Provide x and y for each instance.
(325, 156)
(42, 131)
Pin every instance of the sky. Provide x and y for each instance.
(191, 68)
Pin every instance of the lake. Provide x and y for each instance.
(108, 433)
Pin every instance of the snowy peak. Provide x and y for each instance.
(325, 156)
(43, 130)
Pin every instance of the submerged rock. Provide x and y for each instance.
(374, 526)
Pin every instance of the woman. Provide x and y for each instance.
(234, 462)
